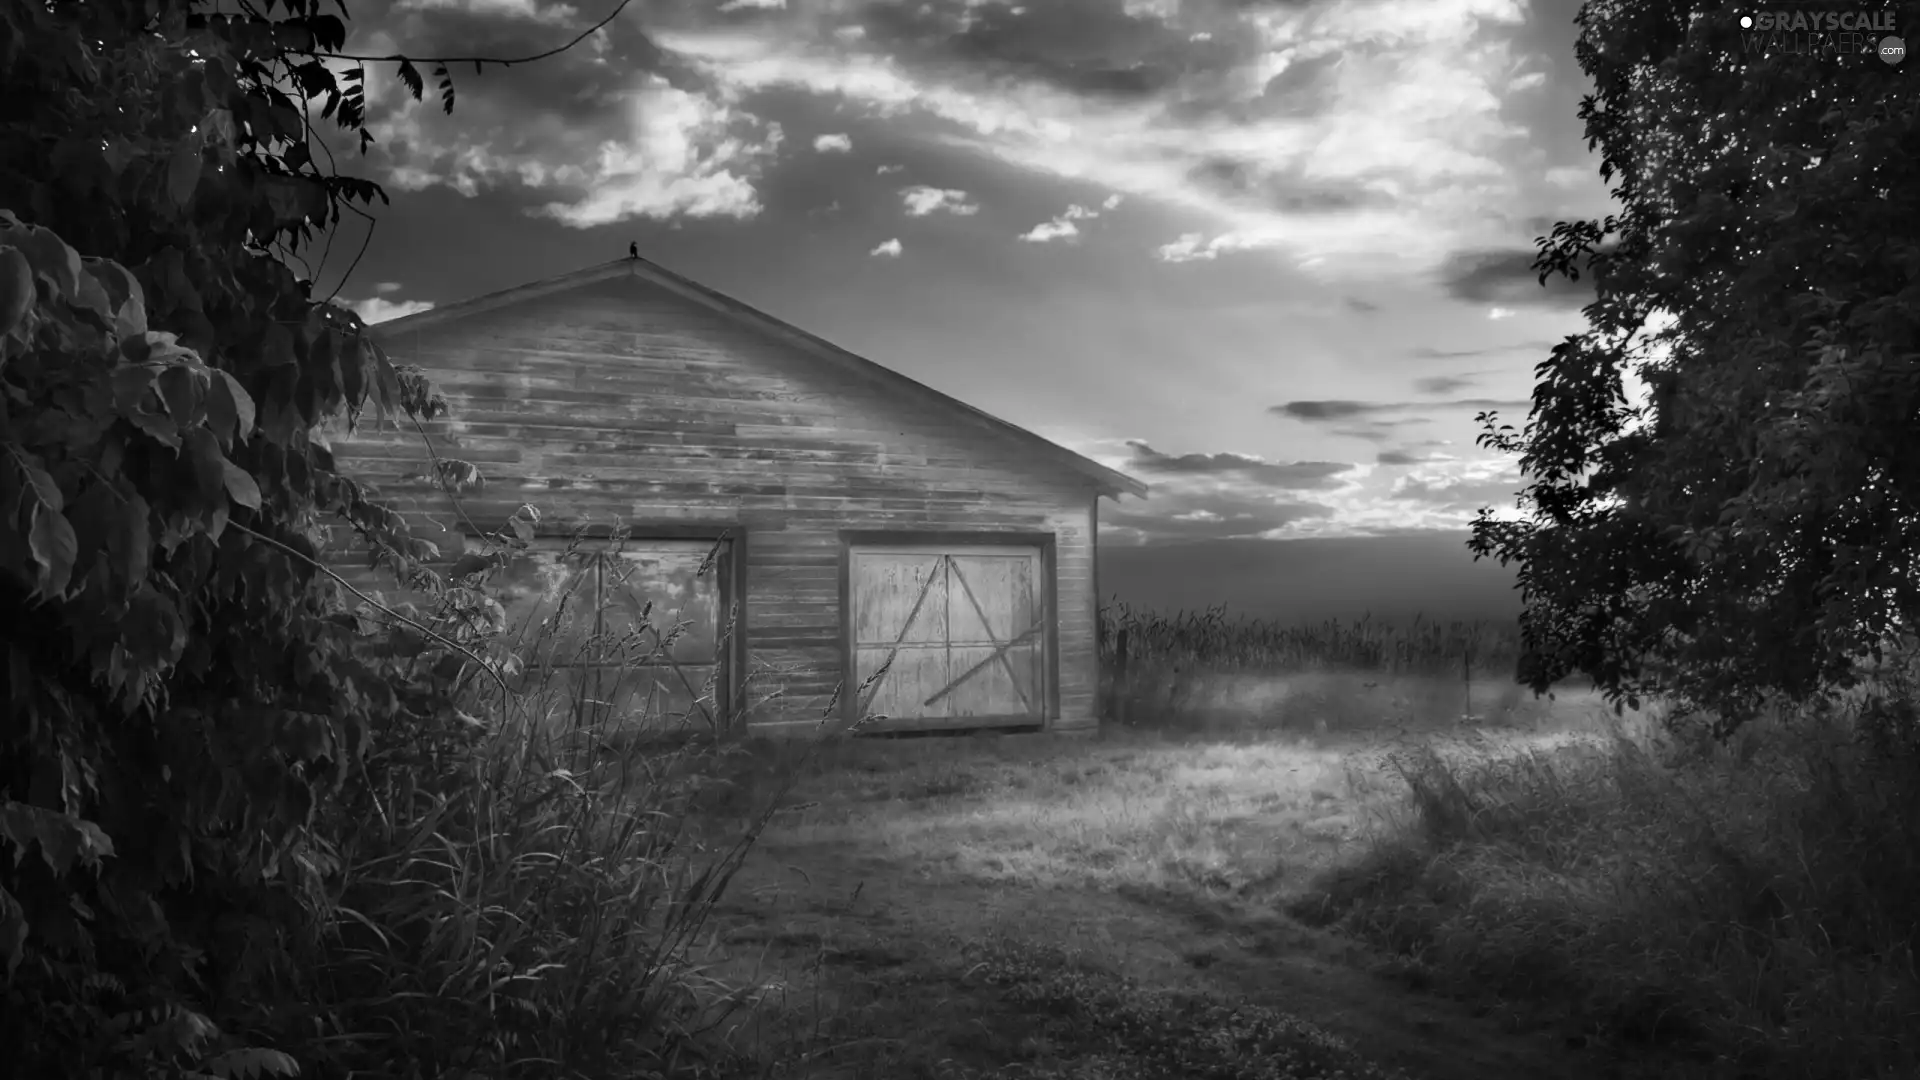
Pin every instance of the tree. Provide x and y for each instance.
(1750, 531)
(184, 690)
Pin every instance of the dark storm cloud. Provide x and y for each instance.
(1398, 457)
(1245, 180)
(1374, 430)
(1323, 410)
(1298, 475)
(1219, 515)
(1092, 47)
(1508, 277)
(1430, 353)
(1442, 384)
(1319, 411)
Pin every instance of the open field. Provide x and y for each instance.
(1021, 905)
(1328, 874)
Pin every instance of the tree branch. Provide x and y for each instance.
(475, 60)
(375, 604)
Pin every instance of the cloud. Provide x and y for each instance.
(1323, 410)
(376, 309)
(832, 144)
(885, 170)
(1506, 279)
(1298, 475)
(922, 200)
(1357, 136)
(1568, 176)
(513, 9)
(1426, 352)
(590, 135)
(1193, 247)
(682, 157)
(1460, 485)
(1442, 384)
(1112, 202)
(888, 249)
(1320, 411)
(1063, 227)
(1403, 457)
(1376, 431)
(1213, 515)
(1364, 307)
(760, 5)
(1530, 81)
(1500, 313)
(385, 287)
(1057, 229)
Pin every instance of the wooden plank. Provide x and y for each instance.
(628, 404)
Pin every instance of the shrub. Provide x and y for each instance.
(1751, 903)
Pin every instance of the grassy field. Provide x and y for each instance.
(1351, 851)
(1287, 867)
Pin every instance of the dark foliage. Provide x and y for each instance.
(1750, 532)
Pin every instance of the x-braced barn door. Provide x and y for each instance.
(631, 630)
(960, 633)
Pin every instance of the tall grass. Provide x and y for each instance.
(1209, 670)
(512, 889)
(1753, 906)
(1212, 640)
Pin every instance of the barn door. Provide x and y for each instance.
(629, 631)
(960, 633)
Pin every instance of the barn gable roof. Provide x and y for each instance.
(1105, 480)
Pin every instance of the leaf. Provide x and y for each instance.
(92, 296)
(386, 383)
(208, 467)
(63, 839)
(53, 261)
(469, 564)
(55, 548)
(233, 395)
(135, 549)
(183, 172)
(183, 389)
(411, 77)
(241, 486)
(126, 299)
(294, 199)
(251, 1063)
(276, 348)
(38, 481)
(118, 154)
(16, 288)
(158, 426)
(130, 384)
(446, 87)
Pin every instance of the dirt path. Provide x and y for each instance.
(873, 955)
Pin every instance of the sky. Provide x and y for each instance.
(1270, 257)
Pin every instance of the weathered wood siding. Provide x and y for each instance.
(624, 401)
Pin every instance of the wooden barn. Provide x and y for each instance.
(860, 518)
